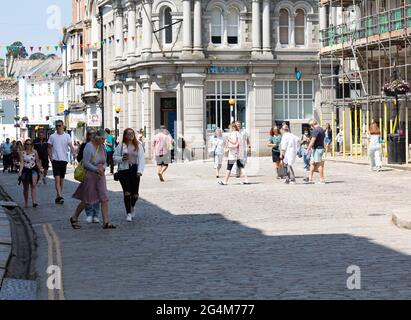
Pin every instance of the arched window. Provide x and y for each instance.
(216, 26)
(167, 21)
(232, 26)
(284, 27)
(299, 29)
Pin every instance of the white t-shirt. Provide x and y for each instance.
(60, 143)
(233, 152)
(289, 144)
(243, 144)
(217, 145)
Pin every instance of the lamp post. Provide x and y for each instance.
(116, 122)
(17, 118)
(231, 102)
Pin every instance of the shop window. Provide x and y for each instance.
(166, 20)
(284, 27)
(293, 100)
(232, 26)
(216, 26)
(219, 113)
(299, 28)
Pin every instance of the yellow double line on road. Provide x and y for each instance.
(54, 242)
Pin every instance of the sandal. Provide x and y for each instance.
(109, 226)
(221, 183)
(75, 224)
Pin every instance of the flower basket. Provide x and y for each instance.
(25, 119)
(81, 124)
(396, 87)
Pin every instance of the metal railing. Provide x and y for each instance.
(388, 21)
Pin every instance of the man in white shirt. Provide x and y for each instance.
(289, 148)
(59, 143)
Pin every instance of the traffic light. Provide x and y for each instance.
(297, 74)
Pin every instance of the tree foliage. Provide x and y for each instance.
(38, 56)
(16, 50)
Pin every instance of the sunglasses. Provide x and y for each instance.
(59, 126)
(130, 133)
(27, 144)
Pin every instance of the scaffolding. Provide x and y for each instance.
(365, 45)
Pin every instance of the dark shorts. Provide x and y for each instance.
(59, 168)
(45, 164)
(230, 164)
(276, 156)
(129, 181)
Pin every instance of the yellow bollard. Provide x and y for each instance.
(343, 131)
(385, 130)
(367, 128)
(333, 132)
(321, 118)
(361, 129)
(356, 133)
(390, 126)
(350, 133)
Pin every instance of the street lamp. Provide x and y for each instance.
(116, 122)
(17, 118)
(231, 102)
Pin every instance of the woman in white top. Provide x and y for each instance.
(374, 139)
(29, 173)
(217, 145)
(130, 158)
(233, 145)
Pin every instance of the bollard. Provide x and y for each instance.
(334, 133)
(356, 133)
(350, 132)
(385, 130)
(361, 129)
(367, 128)
(344, 140)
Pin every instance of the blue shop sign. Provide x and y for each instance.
(217, 70)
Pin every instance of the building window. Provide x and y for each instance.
(32, 89)
(216, 26)
(284, 27)
(32, 112)
(166, 20)
(49, 88)
(81, 46)
(218, 110)
(41, 111)
(299, 28)
(232, 26)
(49, 109)
(293, 100)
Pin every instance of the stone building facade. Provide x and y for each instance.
(184, 75)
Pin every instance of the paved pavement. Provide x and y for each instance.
(194, 239)
(5, 243)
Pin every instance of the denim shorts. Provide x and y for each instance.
(317, 155)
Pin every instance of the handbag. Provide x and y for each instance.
(282, 170)
(116, 176)
(80, 172)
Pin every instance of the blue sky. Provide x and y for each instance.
(29, 22)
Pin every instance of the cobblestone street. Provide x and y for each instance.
(194, 239)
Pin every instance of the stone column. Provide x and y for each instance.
(118, 38)
(187, 39)
(147, 29)
(266, 29)
(323, 18)
(198, 35)
(132, 108)
(292, 29)
(256, 27)
(147, 113)
(131, 17)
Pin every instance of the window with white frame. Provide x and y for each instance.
(293, 100)
(233, 21)
(299, 27)
(33, 112)
(167, 20)
(32, 89)
(284, 27)
(216, 26)
(49, 109)
(219, 113)
(49, 88)
(41, 111)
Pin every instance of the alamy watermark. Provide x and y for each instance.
(54, 278)
(354, 280)
(54, 21)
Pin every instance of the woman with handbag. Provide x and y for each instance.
(92, 211)
(217, 145)
(130, 158)
(93, 188)
(29, 173)
(274, 143)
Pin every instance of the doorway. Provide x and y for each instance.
(168, 112)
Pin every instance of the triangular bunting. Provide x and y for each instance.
(31, 49)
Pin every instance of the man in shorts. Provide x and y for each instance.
(161, 147)
(317, 147)
(59, 143)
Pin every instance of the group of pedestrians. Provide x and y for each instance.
(10, 152)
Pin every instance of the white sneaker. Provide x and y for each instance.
(133, 214)
(96, 220)
(129, 217)
(89, 219)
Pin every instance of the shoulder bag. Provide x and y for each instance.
(80, 172)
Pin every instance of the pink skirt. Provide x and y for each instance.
(92, 190)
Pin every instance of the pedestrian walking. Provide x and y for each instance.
(59, 143)
(317, 147)
(161, 147)
(15, 155)
(6, 149)
(110, 146)
(217, 145)
(289, 148)
(41, 146)
(30, 172)
(233, 146)
(328, 136)
(304, 143)
(94, 187)
(93, 210)
(129, 156)
(244, 148)
(374, 145)
(340, 140)
(274, 143)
